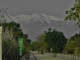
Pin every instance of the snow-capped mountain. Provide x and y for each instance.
(35, 24)
(38, 17)
(35, 17)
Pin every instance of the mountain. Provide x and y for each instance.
(37, 23)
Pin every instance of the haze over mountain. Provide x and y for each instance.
(37, 23)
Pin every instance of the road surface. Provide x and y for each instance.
(32, 57)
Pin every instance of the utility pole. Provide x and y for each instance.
(0, 42)
(2, 19)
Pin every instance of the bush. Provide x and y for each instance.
(9, 50)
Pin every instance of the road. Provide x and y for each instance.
(42, 57)
(32, 57)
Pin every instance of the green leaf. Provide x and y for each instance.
(74, 18)
(69, 18)
(66, 18)
(67, 12)
(72, 9)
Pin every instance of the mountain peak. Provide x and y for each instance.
(49, 17)
(35, 15)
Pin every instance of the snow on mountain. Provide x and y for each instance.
(39, 17)
(35, 17)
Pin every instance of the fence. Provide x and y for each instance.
(26, 57)
(64, 56)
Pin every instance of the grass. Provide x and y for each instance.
(45, 57)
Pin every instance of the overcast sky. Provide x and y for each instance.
(51, 7)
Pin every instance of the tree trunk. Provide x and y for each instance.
(41, 52)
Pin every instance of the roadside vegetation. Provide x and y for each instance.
(10, 46)
(73, 46)
(50, 41)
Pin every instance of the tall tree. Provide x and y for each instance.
(56, 40)
(74, 12)
(41, 42)
(35, 46)
(11, 33)
(73, 46)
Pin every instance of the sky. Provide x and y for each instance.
(50, 7)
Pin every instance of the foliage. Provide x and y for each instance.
(10, 49)
(56, 40)
(74, 42)
(11, 32)
(34, 46)
(13, 29)
(42, 44)
(74, 13)
(26, 44)
(73, 47)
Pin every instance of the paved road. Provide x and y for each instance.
(44, 57)
(32, 57)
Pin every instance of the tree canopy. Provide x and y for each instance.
(56, 40)
(73, 46)
(11, 33)
(74, 12)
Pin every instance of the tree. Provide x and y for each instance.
(11, 32)
(74, 12)
(9, 50)
(34, 46)
(73, 47)
(42, 44)
(26, 44)
(56, 40)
